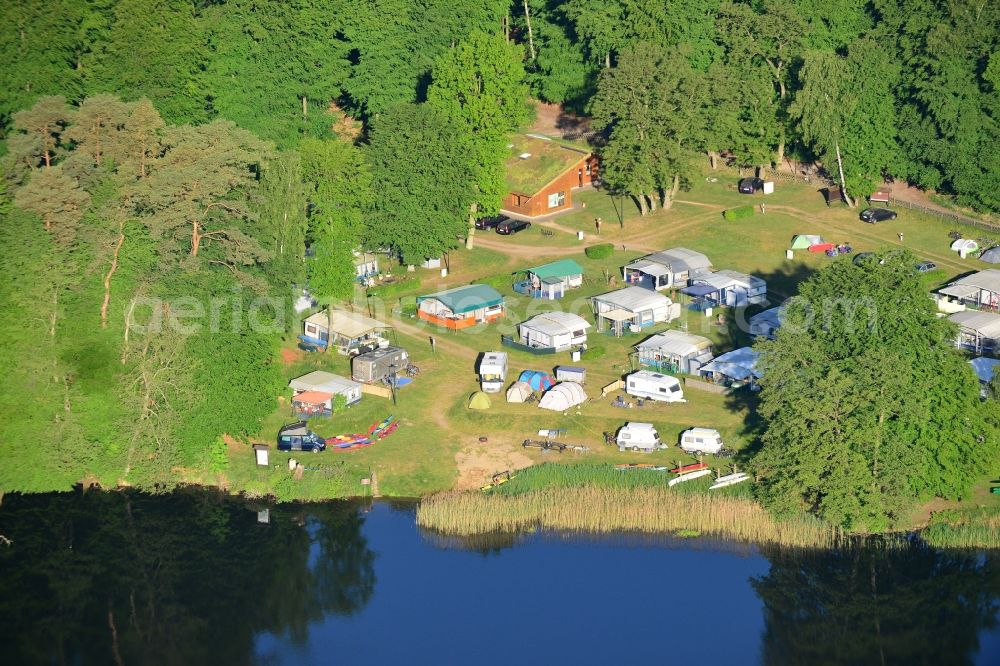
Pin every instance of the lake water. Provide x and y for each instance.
(197, 578)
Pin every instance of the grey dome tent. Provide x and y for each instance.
(991, 256)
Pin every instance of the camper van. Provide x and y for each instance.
(638, 437)
(653, 385)
(702, 440)
(298, 437)
(493, 371)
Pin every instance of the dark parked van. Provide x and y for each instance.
(298, 437)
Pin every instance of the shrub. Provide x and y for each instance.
(738, 213)
(602, 251)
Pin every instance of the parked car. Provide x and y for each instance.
(751, 185)
(491, 222)
(298, 437)
(873, 215)
(925, 266)
(512, 226)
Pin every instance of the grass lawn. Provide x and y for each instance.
(437, 428)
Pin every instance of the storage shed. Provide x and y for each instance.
(555, 330)
(376, 365)
(631, 309)
(569, 373)
(675, 351)
(461, 307)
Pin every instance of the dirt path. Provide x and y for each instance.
(477, 461)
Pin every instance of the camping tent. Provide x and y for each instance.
(991, 256)
(966, 245)
(803, 241)
(519, 392)
(562, 396)
(539, 381)
(479, 400)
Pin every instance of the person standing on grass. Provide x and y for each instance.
(597, 223)
(432, 341)
(900, 234)
(762, 209)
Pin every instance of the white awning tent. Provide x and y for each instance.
(519, 392)
(563, 396)
(739, 364)
(559, 330)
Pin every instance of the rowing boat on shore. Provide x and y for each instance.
(697, 474)
(729, 480)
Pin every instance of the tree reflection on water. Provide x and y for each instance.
(909, 604)
(184, 578)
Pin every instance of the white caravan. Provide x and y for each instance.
(653, 385)
(701, 440)
(638, 437)
(493, 371)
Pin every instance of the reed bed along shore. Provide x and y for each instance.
(975, 528)
(603, 509)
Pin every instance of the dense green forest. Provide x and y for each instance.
(168, 162)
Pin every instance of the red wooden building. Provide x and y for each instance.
(542, 174)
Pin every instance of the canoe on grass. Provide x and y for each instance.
(687, 477)
(343, 441)
(649, 466)
(729, 480)
(378, 427)
(687, 469)
(388, 430)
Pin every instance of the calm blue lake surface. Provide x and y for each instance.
(195, 578)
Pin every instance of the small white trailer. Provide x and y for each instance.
(654, 386)
(493, 371)
(638, 437)
(701, 440)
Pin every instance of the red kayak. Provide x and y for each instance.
(352, 447)
(693, 467)
(821, 247)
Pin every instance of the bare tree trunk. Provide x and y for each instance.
(652, 202)
(762, 171)
(195, 238)
(640, 199)
(531, 39)
(607, 60)
(111, 271)
(115, 651)
(713, 159)
(305, 107)
(843, 185)
(128, 326)
(671, 194)
(470, 238)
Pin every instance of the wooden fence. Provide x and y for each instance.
(953, 217)
(375, 389)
